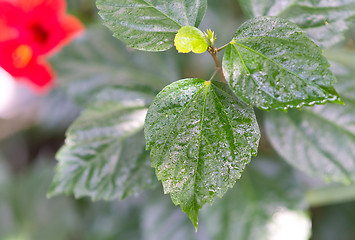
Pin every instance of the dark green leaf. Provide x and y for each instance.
(104, 156)
(267, 193)
(324, 21)
(201, 138)
(272, 64)
(98, 60)
(319, 140)
(150, 25)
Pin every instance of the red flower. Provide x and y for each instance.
(31, 30)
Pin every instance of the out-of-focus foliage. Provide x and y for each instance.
(324, 21)
(104, 156)
(320, 140)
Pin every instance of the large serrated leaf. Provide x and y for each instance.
(269, 191)
(98, 60)
(150, 25)
(104, 156)
(272, 64)
(201, 137)
(319, 140)
(323, 20)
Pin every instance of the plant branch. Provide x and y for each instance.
(214, 53)
(330, 195)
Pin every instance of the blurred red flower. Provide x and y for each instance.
(30, 31)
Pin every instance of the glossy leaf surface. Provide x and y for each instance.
(150, 25)
(98, 60)
(104, 156)
(323, 20)
(272, 64)
(268, 192)
(319, 140)
(201, 137)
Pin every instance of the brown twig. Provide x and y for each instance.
(214, 53)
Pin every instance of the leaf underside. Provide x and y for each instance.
(323, 21)
(104, 156)
(271, 64)
(150, 25)
(320, 140)
(201, 137)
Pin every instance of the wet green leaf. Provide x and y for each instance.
(104, 156)
(150, 25)
(320, 140)
(271, 64)
(324, 21)
(201, 138)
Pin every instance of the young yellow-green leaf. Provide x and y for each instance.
(150, 25)
(201, 137)
(104, 156)
(190, 39)
(320, 140)
(272, 64)
(323, 21)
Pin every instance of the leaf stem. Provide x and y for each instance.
(214, 74)
(214, 53)
(223, 47)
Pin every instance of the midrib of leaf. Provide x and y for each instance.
(269, 59)
(326, 155)
(149, 5)
(187, 16)
(255, 81)
(207, 86)
(321, 117)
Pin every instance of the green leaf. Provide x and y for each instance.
(104, 156)
(97, 60)
(266, 202)
(321, 140)
(201, 137)
(150, 25)
(270, 63)
(190, 39)
(323, 21)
